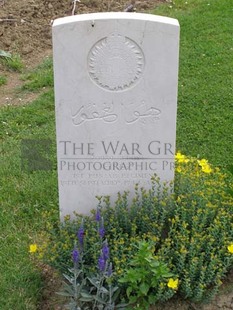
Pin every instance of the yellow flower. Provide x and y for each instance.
(203, 162)
(205, 165)
(32, 248)
(206, 169)
(173, 283)
(230, 248)
(180, 157)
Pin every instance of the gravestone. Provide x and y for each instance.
(116, 100)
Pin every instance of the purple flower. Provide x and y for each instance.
(98, 215)
(101, 232)
(105, 251)
(80, 235)
(101, 229)
(101, 263)
(75, 256)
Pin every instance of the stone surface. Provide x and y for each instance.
(116, 99)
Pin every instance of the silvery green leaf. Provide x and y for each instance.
(68, 278)
(115, 294)
(97, 298)
(109, 307)
(64, 294)
(103, 290)
(68, 289)
(72, 306)
(86, 297)
(92, 289)
(5, 54)
(85, 294)
(95, 283)
(115, 288)
(121, 306)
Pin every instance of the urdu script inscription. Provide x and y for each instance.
(115, 63)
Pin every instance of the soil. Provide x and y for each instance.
(25, 29)
(25, 25)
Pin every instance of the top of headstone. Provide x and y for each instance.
(116, 15)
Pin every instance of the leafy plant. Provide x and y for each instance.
(146, 278)
(87, 290)
(3, 80)
(189, 229)
(75, 288)
(200, 229)
(4, 54)
(12, 62)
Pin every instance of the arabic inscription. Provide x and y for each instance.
(107, 113)
(93, 113)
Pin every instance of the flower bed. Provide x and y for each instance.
(172, 238)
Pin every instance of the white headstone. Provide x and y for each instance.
(116, 99)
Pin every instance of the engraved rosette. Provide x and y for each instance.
(115, 63)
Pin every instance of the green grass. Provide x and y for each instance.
(12, 62)
(205, 106)
(24, 196)
(39, 78)
(3, 80)
(204, 128)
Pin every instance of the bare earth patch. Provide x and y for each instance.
(25, 29)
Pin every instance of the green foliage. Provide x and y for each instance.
(146, 278)
(12, 62)
(191, 230)
(204, 119)
(201, 228)
(86, 289)
(40, 77)
(3, 80)
(75, 288)
(144, 219)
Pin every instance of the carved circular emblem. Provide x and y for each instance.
(115, 63)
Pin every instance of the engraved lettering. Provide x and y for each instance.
(110, 147)
(64, 145)
(92, 114)
(167, 149)
(153, 147)
(135, 148)
(79, 148)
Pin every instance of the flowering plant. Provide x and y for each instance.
(88, 291)
(189, 223)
